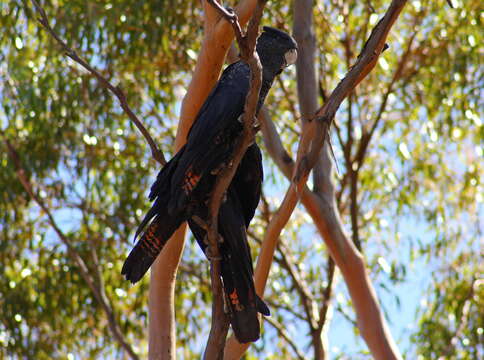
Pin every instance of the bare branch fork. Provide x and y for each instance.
(218, 332)
(116, 90)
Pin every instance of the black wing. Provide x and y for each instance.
(211, 138)
(247, 181)
(208, 145)
(160, 229)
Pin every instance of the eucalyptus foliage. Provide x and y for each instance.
(419, 184)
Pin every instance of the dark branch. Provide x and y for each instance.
(354, 207)
(301, 286)
(218, 332)
(280, 328)
(116, 90)
(327, 293)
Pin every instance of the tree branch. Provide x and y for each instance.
(354, 165)
(286, 262)
(307, 91)
(307, 297)
(231, 17)
(283, 333)
(116, 90)
(246, 42)
(354, 213)
(366, 137)
(287, 308)
(96, 289)
(327, 293)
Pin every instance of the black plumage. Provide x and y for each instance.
(235, 215)
(183, 186)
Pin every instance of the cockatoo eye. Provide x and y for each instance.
(290, 57)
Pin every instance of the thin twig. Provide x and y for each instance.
(116, 90)
(305, 294)
(285, 307)
(368, 135)
(327, 293)
(283, 333)
(286, 262)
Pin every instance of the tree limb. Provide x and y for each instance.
(327, 293)
(354, 164)
(246, 42)
(231, 17)
(302, 287)
(307, 91)
(368, 135)
(354, 208)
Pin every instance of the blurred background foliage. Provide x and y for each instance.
(419, 190)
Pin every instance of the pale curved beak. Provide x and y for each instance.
(290, 57)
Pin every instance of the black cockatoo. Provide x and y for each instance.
(183, 186)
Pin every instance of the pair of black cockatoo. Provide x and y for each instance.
(183, 187)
